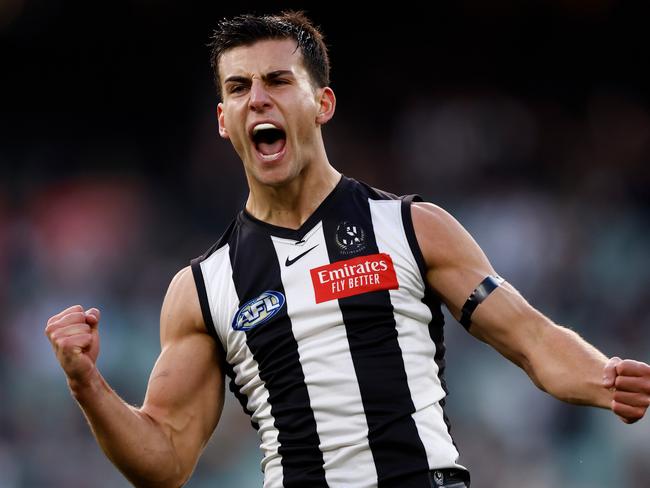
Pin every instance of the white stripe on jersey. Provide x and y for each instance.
(327, 365)
(217, 272)
(413, 335)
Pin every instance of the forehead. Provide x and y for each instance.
(261, 57)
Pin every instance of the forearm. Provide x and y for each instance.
(132, 440)
(564, 365)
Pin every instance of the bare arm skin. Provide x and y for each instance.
(158, 444)
(555, 358)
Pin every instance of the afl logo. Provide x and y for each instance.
(350, 238)
(258, 310)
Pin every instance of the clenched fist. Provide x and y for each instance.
(630, 382)
(75, 340)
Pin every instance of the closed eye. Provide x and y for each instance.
(236, 84)
(280, 77)
(236, 88)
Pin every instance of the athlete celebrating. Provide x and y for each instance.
(322, 304)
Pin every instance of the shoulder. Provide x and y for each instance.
(425, 213)
(442, 239)
(181, 311)
(435, 228)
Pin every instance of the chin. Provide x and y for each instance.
(275, 177)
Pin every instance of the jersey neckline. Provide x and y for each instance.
(297, 234)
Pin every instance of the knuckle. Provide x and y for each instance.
(54, 322)
(70, 344)
(64, 344)
(77, 316)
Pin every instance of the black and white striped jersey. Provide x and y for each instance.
(333, 342)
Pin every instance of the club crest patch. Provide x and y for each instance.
(350, 238)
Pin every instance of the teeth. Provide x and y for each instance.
(269, 157)
(264, 126)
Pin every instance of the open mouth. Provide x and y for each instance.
(269, 140)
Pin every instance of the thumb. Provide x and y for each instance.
(609, 373)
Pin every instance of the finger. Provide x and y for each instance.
(632, 384)
(75, 344)
(92, 316)
(609, 373)
(66, 320)
(632, 399)
(630, 367)
(627, 413)
(74, 308)
(69, 331)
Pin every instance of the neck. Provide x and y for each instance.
(289, 205)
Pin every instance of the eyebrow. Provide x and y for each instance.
(277, 74)
(268, 76)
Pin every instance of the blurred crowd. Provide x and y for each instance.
(557, 195)
(562, 216)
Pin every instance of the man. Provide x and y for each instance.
(322, 304)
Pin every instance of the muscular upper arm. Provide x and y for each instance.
(185, 392)
(455, 266)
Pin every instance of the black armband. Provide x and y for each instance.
(480, 293)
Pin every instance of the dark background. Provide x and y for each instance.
(530, 123)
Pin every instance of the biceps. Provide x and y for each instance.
(455, 262)
(185, 393)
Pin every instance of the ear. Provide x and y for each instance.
(223, 132)
(327, 105)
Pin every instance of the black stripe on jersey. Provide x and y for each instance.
(398, 452)
(197, 273)
(431, 300)
(275, 350)
(409, 230)
(437, 333)
(236, 390)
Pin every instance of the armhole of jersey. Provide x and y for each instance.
(203, 298)
(407, 218)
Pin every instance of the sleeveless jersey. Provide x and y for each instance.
(333, 342)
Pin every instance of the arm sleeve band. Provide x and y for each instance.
(480, 293)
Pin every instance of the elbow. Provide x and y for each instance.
(175, 480)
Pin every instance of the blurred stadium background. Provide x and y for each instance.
(530, 123)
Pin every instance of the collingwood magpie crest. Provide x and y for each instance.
(350, 238)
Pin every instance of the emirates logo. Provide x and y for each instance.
(354, 276)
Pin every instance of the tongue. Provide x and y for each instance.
(268, 148)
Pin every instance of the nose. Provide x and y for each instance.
(259, 98)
